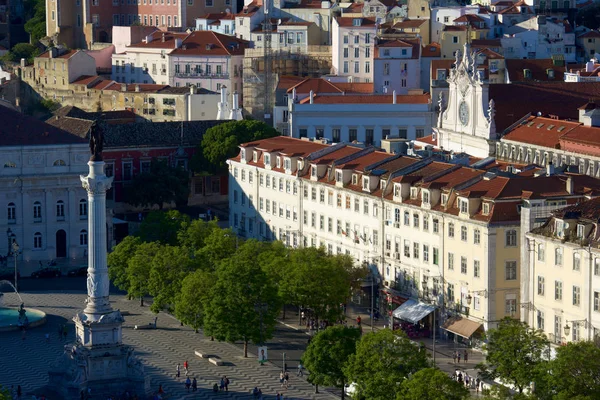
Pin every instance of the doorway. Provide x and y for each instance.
(61, 243)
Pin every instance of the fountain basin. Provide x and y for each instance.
(9, 318)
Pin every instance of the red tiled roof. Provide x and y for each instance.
(85, 79)
(360, 163)
(367, 99)
(355, 87)
(562, 99)
(590, 34)
(208, 43)
(469, 18)
(286, 145)
(287, 81)
(132, 87)
(156, 41)
(393, 43)
(536, 131)
(586, 137)
(66, 55)
(217, 16)
(349, 22)
(431, 50)
(409, 23)
(320, 85)
(335, 155)
(538, 68)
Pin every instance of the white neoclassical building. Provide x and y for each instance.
(45, 207)
(442, 232)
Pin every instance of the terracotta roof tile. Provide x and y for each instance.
(278, 144)
(360, 163)
(409, 23)
(431, 50)
(157, 42)
(590, 34)
(349, 22)
(535, 130)
(217, 16)
(208, 43)
(538, 68)
(65, 55)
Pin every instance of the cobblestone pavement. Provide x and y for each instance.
(26, 362)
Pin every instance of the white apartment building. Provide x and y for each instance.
(289, 36)
(397, 66)
(352, 47)
(562, 266)
(436, 231)
(348, 117)
(45, 205)
(223, 23)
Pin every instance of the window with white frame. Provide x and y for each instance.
(576, 296)
(37, 241)
(558, 256)
(37, 211)
(425, 222)
(464, 206)
(450, 261)
(83, 238)
(425, 196)
(83, 211)
(510, 268)
(60, 210)
(511, 238)
(476, 268)
(425, 253)
(463, 265)
(11, 213)
(416, 248)
(476, 236)
(415, 220)
(541, 285)
(463, 233)
(510, 304)
(576, 261)
(436, 225)
(541, 252)
(558, 288)
(406, 248)
(451, 230)
(406, 218)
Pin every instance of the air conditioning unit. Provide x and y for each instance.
(397, 225)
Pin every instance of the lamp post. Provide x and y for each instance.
(567, 328)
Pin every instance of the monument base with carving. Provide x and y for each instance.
(98, 362)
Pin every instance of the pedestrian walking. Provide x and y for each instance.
(178, 373)
(281, 378)
(458, 357)
(194, 385)
(222, 384)
(477, 385)
(300, 372)
(186, 367)
(226, 383)
(358, 320)
(286, 380)
(466, 356)
(188, 383)
(454, 357)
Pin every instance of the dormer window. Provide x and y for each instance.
(356, 22)
(425, 196)
(338, 176)
(313, 171)
(255, 156)
(354, 179)
(486, 208)
(243, 154)
(413, 193)
(464, 206)
(580, 231)
(397, 190)
(365, 183)
(278, 162)
(287, 163)
(267, 159)
(444, 199)
(559, 227)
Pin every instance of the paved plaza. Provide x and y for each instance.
(26, 362)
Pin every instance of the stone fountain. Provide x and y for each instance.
(18, 318)
(98, 361)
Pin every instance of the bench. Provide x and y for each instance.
(216, 361)
(201, 355)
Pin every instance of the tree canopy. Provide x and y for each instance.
(163, 227)
(195, 293)
(431, 384)
(514, 351)
(118, 261)
(138, 270)
(243, 303)
(221, 143)
(35, 11)
(161, 185)
(589, 16)
(383, 360)
(22, 50)
(327, 354)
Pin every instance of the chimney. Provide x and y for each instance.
(137, 88)
(52, 52)
(394, 97)
(23, 62)
(550, 169)
(570, 185)
(223, 94)
(236, 100)
(293, 95)
(192, 89)
(123, 87)
(163, 37)
(311, 96)
(589, 66)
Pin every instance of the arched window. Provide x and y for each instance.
(37, 240)
(59, 163)
(37, 212)
(83, 209)
(11, 213)
(10, 164)
(60, 210)
(83, 238)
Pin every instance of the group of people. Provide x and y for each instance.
(457, 356)
(284, 379)
(468, 381)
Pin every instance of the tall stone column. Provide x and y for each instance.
(97, 184)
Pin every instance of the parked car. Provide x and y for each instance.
(46, 273)
(81, 271)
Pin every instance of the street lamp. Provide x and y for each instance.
(567, 328)
(483, 292)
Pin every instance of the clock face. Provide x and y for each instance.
(463, 113)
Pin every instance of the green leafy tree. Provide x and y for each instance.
(118, 261)
(168, 268)
(218, 245)
(163, 226)
(314, 280)
(514, 352)
(22, 50)
(5, 393)
(193, 235)
(327, 354)
(195, 292)
(138, 269)
(162, 185)
(243, 303)
(221, 143)
(36, 24)
(573, 374)
(383, 360)
(431, 384)
(355, 273)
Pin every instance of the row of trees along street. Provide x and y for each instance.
(387, 365)
(231, 288)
